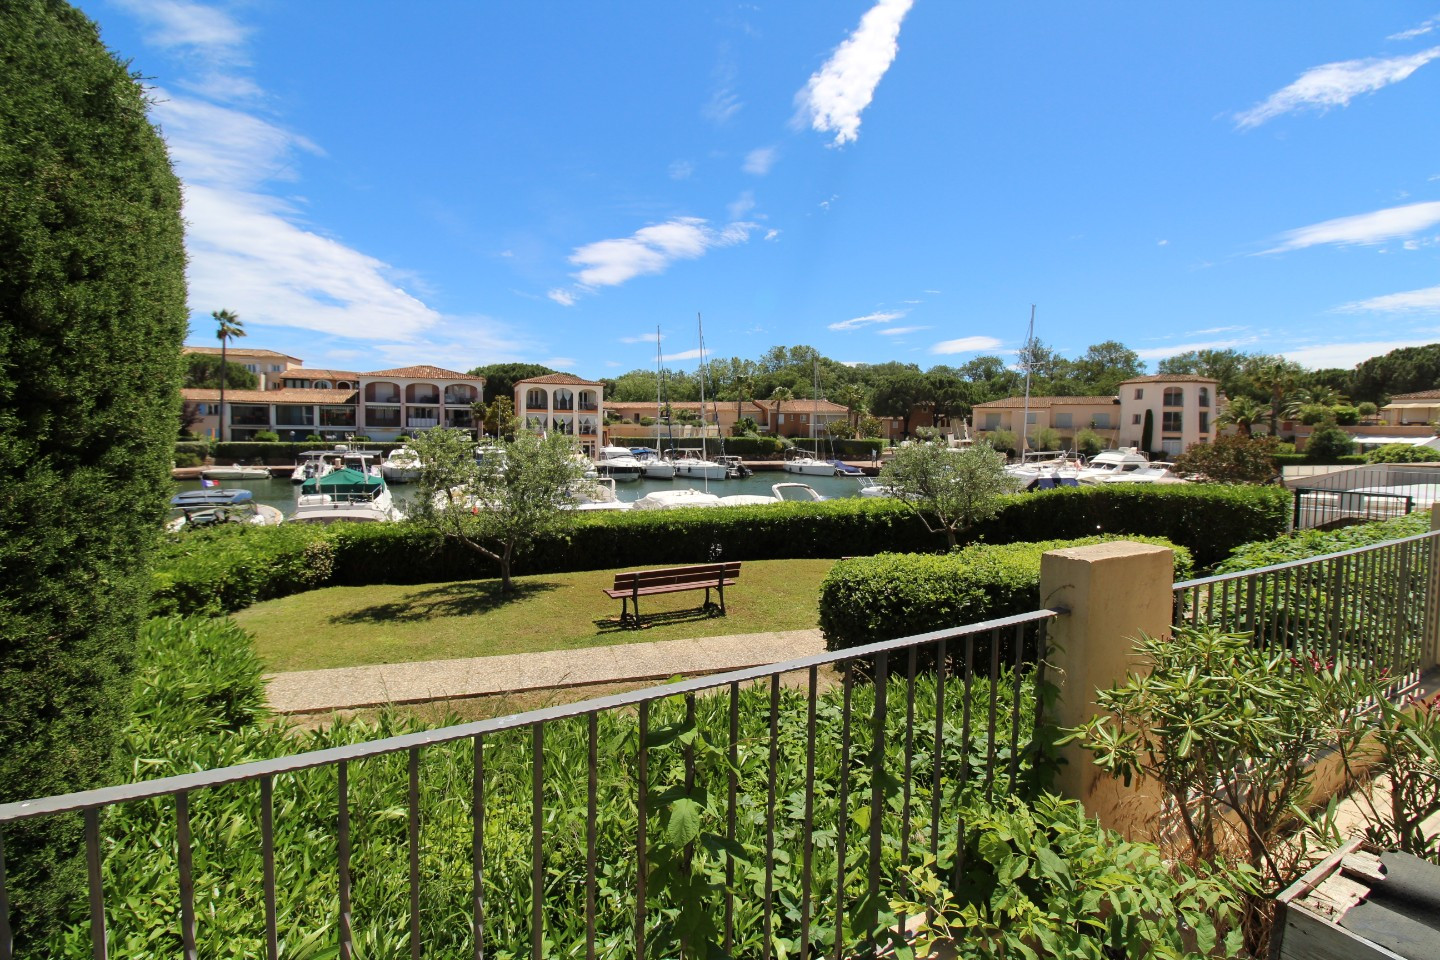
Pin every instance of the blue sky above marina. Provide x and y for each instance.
(370, 185)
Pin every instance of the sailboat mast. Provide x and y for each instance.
(659, 390)
(700, 327)
(814, 405)
(1029, 359)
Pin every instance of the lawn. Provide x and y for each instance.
(352, 626)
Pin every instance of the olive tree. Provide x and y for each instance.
(92, 295)
(499, 503)
(950, 490)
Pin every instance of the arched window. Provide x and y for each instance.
(534, 399)
(322, 384)
(587, 399)
(1204, 396)
(380, 391)
(564, 399)
(422, 393)
(458, 393)
(344, 385)
(1174, 397)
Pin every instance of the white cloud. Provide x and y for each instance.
(563, 297)
(682, 170)
(1411, 300)
(1363, 228)
(932, 292)
(682, 355)
(843, 87)
(1347, 355)
(1163, 243)
(741, 205)
(643, 338)
(1335, 85)
(1160, 353)
(899, 331)
(559, 363)
(723, 103)
(966, 345)
(1425, 27)
(608, 263)
(772, 234)
(1209, 331)
(855, 323)
(176, 23)
(759, 161)
(825, 204)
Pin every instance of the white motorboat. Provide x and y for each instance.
(807, 493)
(313, 463)
(402, 466)
(735, 468)
(618, 463)
(345, 495)
(676, 499)
(871, 488)
(1154, 472)
(691, 462)
(809, 466)
(654, 468)
(597, 494)
(236, 472)
(1108, 464)
(211, 506)
(1052, 464)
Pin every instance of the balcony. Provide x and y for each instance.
(422, 423)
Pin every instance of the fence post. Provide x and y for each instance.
(1114, 591)
(1430, 649)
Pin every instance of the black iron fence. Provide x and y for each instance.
(770, 811)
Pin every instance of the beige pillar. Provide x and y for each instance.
(1430, 649)
(1114, 592)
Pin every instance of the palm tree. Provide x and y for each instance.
(1319, 396)
(1242, 413)
(1277, 378)
(852, 397)
(778, 396)
(230, 326)
(744, 389)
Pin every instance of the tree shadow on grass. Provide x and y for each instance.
(447, 600)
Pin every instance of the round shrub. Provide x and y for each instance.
(1346, 416)
(1327, 443)
(265, 436)
(185, 459)
(1402, 453)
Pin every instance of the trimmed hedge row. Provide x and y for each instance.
(226, 569)
(273, 453)
(870, 599)
(1304, 460)
(1316, 543)
(765, 448)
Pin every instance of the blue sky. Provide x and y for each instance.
(371, 184)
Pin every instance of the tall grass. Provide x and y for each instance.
(180, 728)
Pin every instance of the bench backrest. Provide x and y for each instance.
(701, 573)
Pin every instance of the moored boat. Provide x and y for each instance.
(345, 495)
(618, 463)
(211, 506)
(402, 466)
(235, 472)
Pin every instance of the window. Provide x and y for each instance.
(1174, 397)
(1204, 421)
(382, 416)
(426, 393)
(1101, 421)
(382, 392)
(253, 367)
(322, 384)
(294, 415)
(249, 415)
(992, 421)
(535, 399)
(564, 400)
(275, 368)
(1064, 420)
(1135, 420)
(1139, 393)
(337, 416)
(1171, 422)
(1171, 447)
(1029, 418)
(1205, 396)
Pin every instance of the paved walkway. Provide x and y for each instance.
(346, 688)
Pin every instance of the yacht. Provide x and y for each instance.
(691, 462)
(1111, 464)
(675, 499)
(236, 472)
(209, 506)
(618, 463)
(653, 467)
(402, 466)
(313, 463)
(345, 495)
(809, 466)
(599, 494)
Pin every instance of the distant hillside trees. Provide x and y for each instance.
(500, 378)
(92, 292)
(202, 370)
(1407, 370)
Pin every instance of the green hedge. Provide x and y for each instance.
(279, 454)
(870, 599)
(1317, 543)
(194, 448)
(229, 568)
(1300, 459)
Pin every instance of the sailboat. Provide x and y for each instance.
(805, 464)
(692, 462)
(654, 465)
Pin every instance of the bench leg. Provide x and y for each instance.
(721, 589)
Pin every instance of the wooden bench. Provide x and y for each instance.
(631, 586)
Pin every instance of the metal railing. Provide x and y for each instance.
(816, 781)
(1323, 508)
(1372, 607)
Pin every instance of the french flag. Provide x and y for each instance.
(209, 483)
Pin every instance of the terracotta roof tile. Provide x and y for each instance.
(1041, 403)
(810, 406)
(1170, 378)
(307, 373)
(424, 372)
(233, 350)
(1418, 395)
(292, 395)
(563, 379)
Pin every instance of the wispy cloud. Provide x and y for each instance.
(855, 323)
(1211, 331)
(759, 161)
(1410, 301)
(1426, 26)
(1160, 353)
(843, 87)
(1344, 355)
(899, 331)
(1362, 228)
(682, 170)
(966, 345)
(772, 234)
(1335, 85)
(562, 296)
(643, 338)
(682, 355)
(724, 103)
(609, 263)
(741, 205)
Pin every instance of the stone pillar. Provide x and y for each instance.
(1114, 592)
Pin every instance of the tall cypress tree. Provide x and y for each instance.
(92, 315)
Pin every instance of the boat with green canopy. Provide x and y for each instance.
(345, 496)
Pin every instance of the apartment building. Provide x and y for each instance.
(268, 365)
(564, 403)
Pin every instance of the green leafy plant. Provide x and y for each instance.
(1043, 880)
(1328, 442)
(1231, 459)
(1402, 453)
(1405, 746)
(949, 490)
(1229, 732)
(265, 436)
(1088, 442)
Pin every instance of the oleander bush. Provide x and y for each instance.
(1304, 544)
(225, 569)
(870, 599)
(1297, 459)
(1402, 453)
(184, 722)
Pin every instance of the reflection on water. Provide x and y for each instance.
(281, 493)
